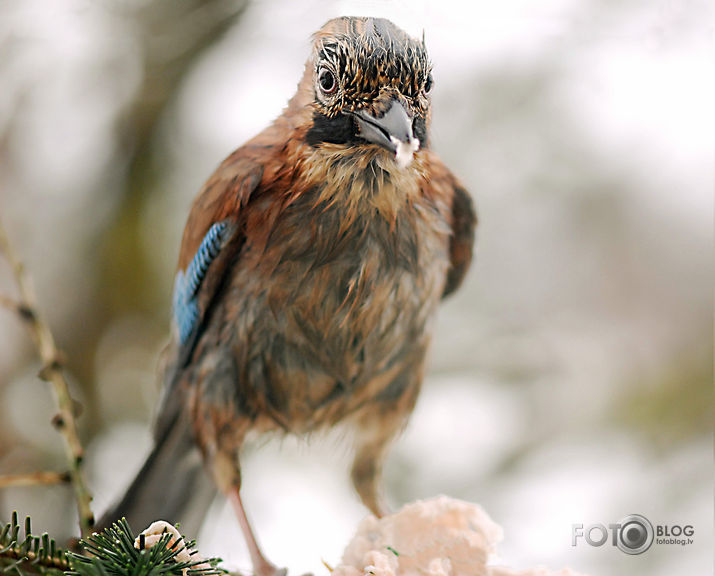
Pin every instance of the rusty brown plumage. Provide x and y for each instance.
(311, 268)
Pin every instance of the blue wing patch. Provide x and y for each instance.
(188, 282)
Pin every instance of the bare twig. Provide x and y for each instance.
(34, 479)
(9, 303)
(52, 372)
(14, 306)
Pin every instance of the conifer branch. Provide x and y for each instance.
(30, 554)
(115, 551)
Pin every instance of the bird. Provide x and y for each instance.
(311, 269)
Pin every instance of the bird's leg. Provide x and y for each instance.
(367, 472)
(376, 428)
(373, 437)
(261, 566)
(224, 462)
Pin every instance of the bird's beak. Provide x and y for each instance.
(392, 131)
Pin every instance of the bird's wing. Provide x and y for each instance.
(212, 237)
(461, 243)
(441, 183)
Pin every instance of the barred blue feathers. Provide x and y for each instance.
(188, 282)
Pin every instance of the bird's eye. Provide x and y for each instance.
(326, 80)
(428, 84)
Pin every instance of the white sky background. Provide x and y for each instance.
(633, 81)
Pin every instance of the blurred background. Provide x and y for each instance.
(570, 378)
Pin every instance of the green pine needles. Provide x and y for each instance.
(110, 553)
(30, 554)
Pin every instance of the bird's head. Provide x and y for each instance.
(367, 84)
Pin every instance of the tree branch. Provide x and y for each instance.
(51, 372)
(34, 479)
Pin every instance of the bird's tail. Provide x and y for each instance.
(171, 485)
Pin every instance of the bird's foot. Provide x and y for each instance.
(264, 567)
(269, 569)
